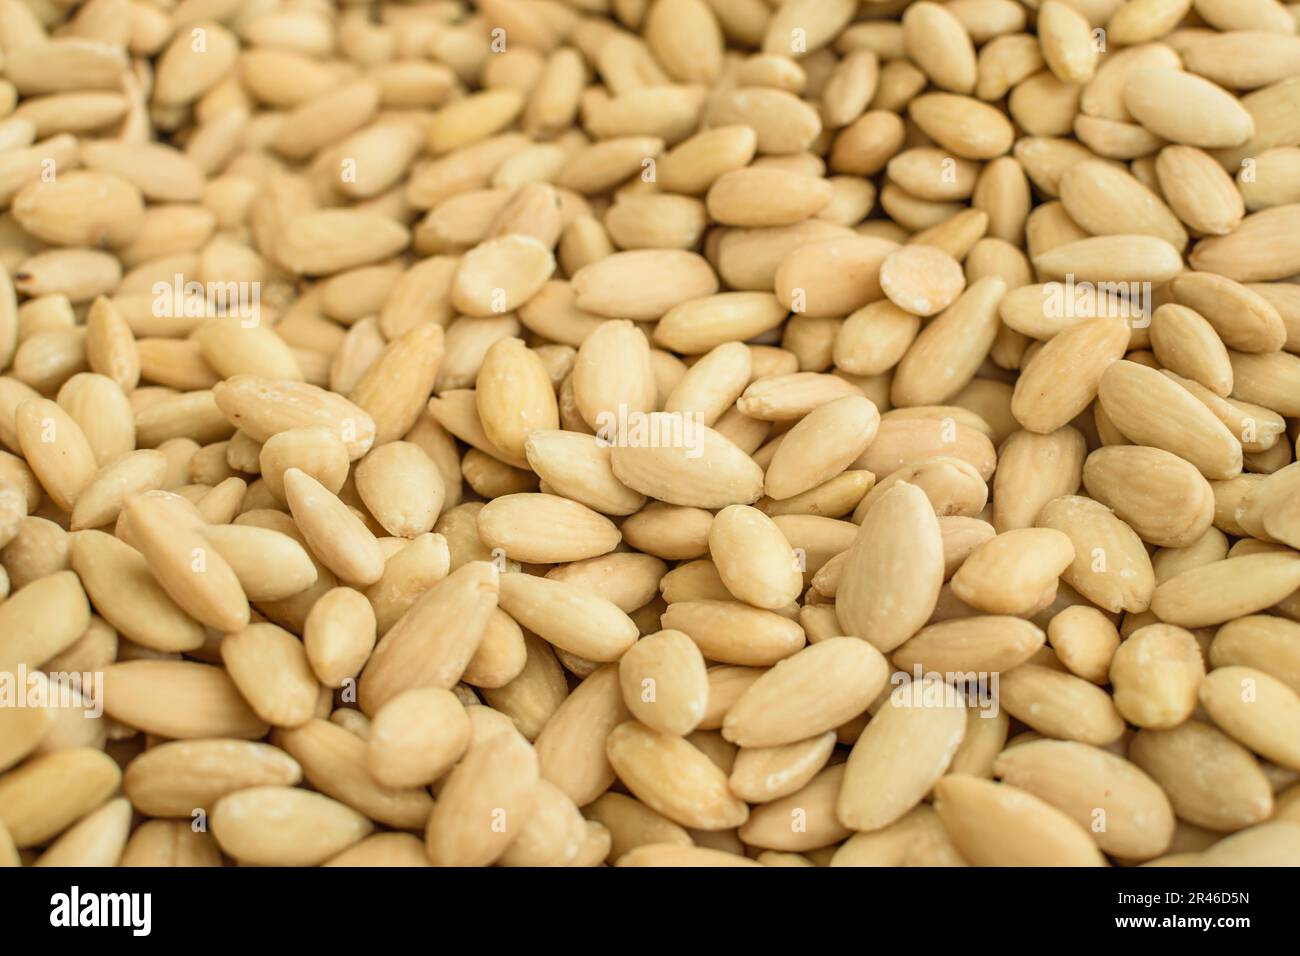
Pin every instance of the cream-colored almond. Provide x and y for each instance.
(1155, 675)
(674, 778)
(175, 777)
(1008, 574)
(906, 746)
(1244, 320)
(1063, 378)
(664, 682)
(402, 487)
(1211, 780)
(269, 666)
(179, 699)
(754, 560)
(1060, 705)
(987, 644)
(1111, 566)
(1158, 494)
(568, 616)
(282, 826)
(455, 612)
(734, 633)
(1224, 590)
(1085, 782)
(261, 408)
(1185, 108)
(1255, 709)
(417, 737)
(49, 792)
(676, 460)
(791, 702)
(892, 577)
(270, 566)
(764, 774)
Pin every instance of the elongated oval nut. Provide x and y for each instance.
(763, 774)
(283, 826)
(1256, 710)
(269, 666)
(433, 642)
(179, 699)
(664, 682)
(190, 570)
(417, 737)
(50, 791)
(821, 445)
(1008, 574)
(734, 633)
(545, 529)
(792, 701)
(569, 616)
(1158, 494)
(270, 566)
(891, 579)
(905, 748)
(753, 558)
(1087, 781)
(674, 778)
(336, 536)
(41, 620)
(261, 408)
(174, 777)
(485, 802)
(1060, 705)
(1224, 590)
(1063, 378)
(1000, 825)
(676, 459)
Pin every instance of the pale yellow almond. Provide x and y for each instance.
(571, 747)
(782, 122)
(178, 699)
(1244, 320)
(1127, 257)
(193, 573)
(1063, 378)
(791, 703)
(496, 783)
(501, 656)
(1160, 495)
(1009, 573)
(1255, 709)
(534, 694)
(396, 386)
(329, 241)
(24, 727)
(907, 743)
(117, 579)
(1111, 566)
(971, 129)
(568, 616)
(832, 277)
(813, 806)
(282, 826)
(757, 196)
(1057, 704)
(97, 839)
(1275, 843)
(683, 462)
(1108, 201)
(1224, 590)
(936, 41)
(269, 666)
(1211, 780)
(664, 683)
(110, 345)
(643, 283)
(997, 824)
(270, 566)
(754, 560)
(49, 792)
(176, 777)
(261, 408)
(1184, 426)
(1187, 109)
(1259, 249)
(1032, 470)
(613, 377)
(335, 534)
(985, 644)
(578, 467)
(339, 635)
(97, 404)
(455, 611)
(1267, 379)
(102, 499)
(674, 778)
(874, 338)
(764, 774)
(1259, 641)
(313, 449)
(1155, 675)
(402, 487)
(1090, 785)
(786, 397)
(694, 165)
(734, 633)
(56, 449)
(1199, 191)
(711, 386)
(892, 577)
(514, 395)
(417, 737)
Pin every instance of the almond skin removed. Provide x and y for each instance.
(647, 433)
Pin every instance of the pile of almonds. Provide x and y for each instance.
(649, 432)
